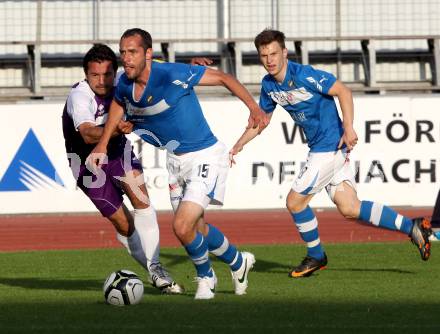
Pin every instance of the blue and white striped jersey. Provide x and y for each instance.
(168, 114)
(304, 95)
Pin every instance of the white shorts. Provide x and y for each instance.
(324, 169)
(200, 176)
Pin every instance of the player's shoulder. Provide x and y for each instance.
(267, 81)
(163, 72)
(166, 67)
(161, 69)
(158, 64)
(308, 70)
(81, 90)
(299, 70)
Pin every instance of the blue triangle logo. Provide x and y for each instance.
(30, 168)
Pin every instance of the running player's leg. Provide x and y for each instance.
(379, 215)
(195, 244)
(188, 205)
(218, 244)
(206, 188)
(109, 201)
(240, 263)
(144, 215)
(143, 244)
(307, 225)
(122, 221)
(314, 176)
(374, 213)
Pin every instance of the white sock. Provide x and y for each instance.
(143, 244)
(134, 248)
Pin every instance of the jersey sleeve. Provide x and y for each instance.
(81, 107)
(317, 80)
(186, 75)
(266, 103)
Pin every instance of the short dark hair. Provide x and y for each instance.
(147, 41)
(99, 53)
(268, 36)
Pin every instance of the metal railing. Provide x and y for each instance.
(232, 59)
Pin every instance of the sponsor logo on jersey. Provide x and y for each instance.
(157, 108)
(180, 83)
(323, 78)
(316, 83)
(191, 76)
(291, 97)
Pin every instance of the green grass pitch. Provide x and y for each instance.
(366, 288)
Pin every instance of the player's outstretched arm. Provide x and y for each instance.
(92, 133)
(246, 137)
(257, 118)
(345, 98)
(98, 154)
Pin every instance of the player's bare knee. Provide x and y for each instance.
(182, 228)
(348, 211)
(295, 206)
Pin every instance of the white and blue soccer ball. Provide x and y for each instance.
(123, 287)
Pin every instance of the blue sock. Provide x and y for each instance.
(219, 245)
(383, 216)
(308, 229)
(198, 252)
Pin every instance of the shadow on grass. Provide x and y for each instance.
(233, 315)
(51, 284)
(379, 270)
(260, 266)
(63, 284)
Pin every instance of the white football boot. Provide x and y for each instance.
(206, 287)
(239, 277)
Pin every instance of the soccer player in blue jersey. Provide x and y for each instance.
(84, 115)
(158, 98)
(307, 94)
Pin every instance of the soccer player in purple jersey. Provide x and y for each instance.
(84, 116)
(307, 95)
(159, 99)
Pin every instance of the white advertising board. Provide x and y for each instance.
(397, 158)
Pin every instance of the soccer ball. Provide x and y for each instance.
(123, 287)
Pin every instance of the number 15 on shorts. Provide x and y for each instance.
(203, 170)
